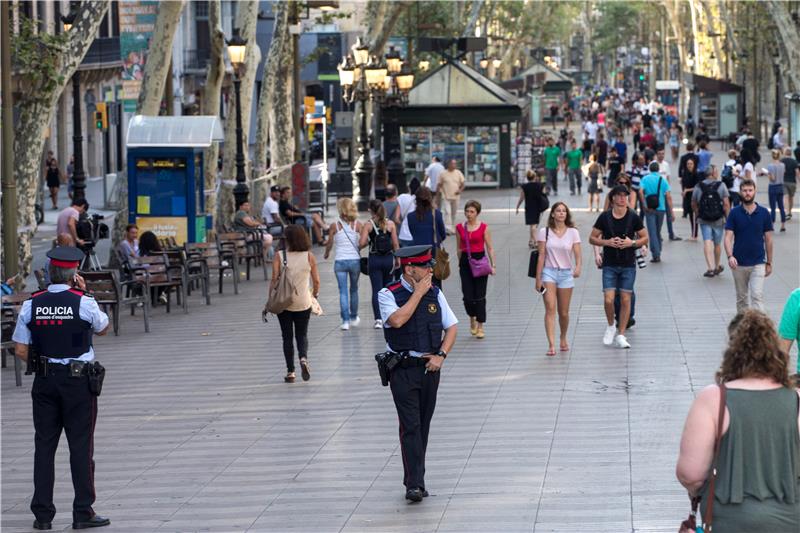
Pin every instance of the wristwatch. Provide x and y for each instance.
(442, 354)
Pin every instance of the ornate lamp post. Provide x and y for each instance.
(78, 174)
(365, 79)
(237, 50)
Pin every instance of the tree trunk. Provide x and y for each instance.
(36, 108)
(278, 97)
(473, 18)
(159, 56)
(789, 42)
(383, 27)
(211, 99)
(246, 19)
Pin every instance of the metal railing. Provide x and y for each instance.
(196, 59)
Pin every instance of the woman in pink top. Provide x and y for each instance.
(475, 240)
(559, 243)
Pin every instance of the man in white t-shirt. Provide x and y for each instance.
(432, 177)
(270, 211)
(406, 202)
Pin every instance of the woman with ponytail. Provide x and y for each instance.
(381, 234)
(753, 482)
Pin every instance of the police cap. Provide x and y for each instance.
(415, 255)
(65, 256)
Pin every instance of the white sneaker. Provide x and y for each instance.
(345, 326)
(608, 336)
(378, 324)
(355, 322)
(621, 342)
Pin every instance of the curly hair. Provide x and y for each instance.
(753, 351)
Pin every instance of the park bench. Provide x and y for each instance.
(157, 273)
(215, 260)
(247, 251)
(107, 290)
(194, 271)
(11, 304)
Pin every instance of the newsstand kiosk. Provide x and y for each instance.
(165, 175)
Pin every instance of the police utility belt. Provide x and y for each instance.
(388, 361)
(96, 372)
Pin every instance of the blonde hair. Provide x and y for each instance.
(347, 209)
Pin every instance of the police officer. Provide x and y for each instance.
(59, 323)
(415, 315)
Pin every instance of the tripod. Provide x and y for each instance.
(90, 261)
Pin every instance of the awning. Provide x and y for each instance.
(177, 132)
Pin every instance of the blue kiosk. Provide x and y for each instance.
(165, 174)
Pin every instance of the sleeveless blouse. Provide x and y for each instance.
(346, 241)
(476, 244)
(298, 270)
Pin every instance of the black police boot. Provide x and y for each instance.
(415, 495)
(41, 524)
(95, 521)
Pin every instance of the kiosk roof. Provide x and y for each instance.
(179, 132)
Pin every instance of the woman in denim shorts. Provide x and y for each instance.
(559, 264)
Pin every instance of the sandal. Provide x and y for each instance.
(305, 371)
(289, 378)
(709, 273)
(719, 270)
(551, 352)
(565, 348)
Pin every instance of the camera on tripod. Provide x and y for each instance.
(90, 230)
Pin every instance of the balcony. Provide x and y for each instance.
(103, 52)
(196, 60)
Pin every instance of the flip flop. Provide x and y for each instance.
(564, 349)
(551, 352)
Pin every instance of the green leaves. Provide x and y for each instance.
(36, 57)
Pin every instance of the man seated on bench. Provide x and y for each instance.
(242, 221)
(129, 247)
(290, 213)
(271, 210)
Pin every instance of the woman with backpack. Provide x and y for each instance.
(476, 262)
(347, 261)
(381, 234)
(300, 267)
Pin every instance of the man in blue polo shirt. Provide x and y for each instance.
(654, 186)
(748, 235)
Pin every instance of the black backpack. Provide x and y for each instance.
(710, 204)
(727, 175)
(382, 243)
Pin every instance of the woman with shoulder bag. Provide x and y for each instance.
(300, 267)
(559, 242)
(476, 261)
(740, 448)
(426, 225)
(347, 261)
(381, 234)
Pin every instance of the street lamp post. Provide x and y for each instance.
(78, 174)
(366, 79)
(237, 49)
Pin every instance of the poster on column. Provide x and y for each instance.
(137, 19)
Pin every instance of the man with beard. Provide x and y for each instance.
(748, 244)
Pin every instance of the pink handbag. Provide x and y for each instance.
(479, 267)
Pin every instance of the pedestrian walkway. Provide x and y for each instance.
(197, 431)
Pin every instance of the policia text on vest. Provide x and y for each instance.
(420, 329)
(59, 323)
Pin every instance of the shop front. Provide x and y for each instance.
(455, 113)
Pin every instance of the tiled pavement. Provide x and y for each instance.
(198, 432)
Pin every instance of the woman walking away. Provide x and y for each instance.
(347, 261)
(559, 243)
(476, 261)
(300, 267)
(756, 471)
(689, 180)
(426, 224)
(381, 234)
(532, 193)
(593, 171)
(776, 171)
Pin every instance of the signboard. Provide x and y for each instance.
(137, 19)
(174, 227)
(300, 185)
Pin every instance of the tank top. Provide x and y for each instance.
(346, 241)
(759, 455)
(298, 270)
(476, 244)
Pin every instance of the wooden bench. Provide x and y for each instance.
(215, 260)
(157, 273)
(194, 270)
(247, 250)
(11, 304)
(107, 290)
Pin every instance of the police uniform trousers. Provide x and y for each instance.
(63, 402)
(414, 394)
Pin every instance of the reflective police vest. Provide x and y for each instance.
(423, 331)
(57, 329)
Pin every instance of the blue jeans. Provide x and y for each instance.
(655, 219)
(380, 275)
(348, 303)
(775, 192)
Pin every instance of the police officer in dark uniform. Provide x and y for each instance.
(59, 323)
(415, 317)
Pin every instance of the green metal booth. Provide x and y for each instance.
(165, 175)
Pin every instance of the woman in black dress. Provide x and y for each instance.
(532, 193)
(53, 179)
(689, 180)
